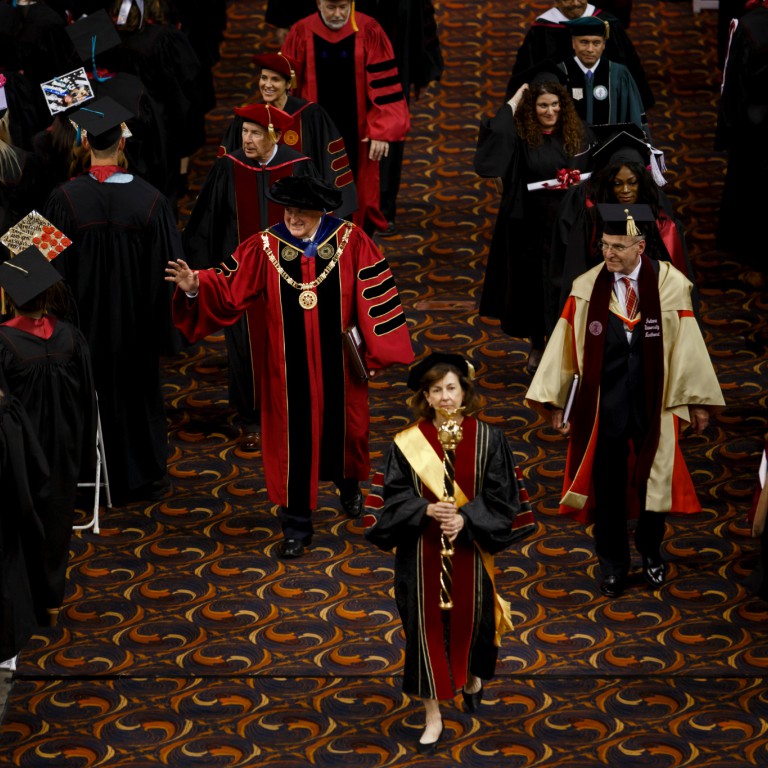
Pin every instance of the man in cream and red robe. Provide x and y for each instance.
(348, 67)
(318, 276)
(643, 368)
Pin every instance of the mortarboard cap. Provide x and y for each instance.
(269, 117)
(544, 71)
(588, 25)
(277, 62)
(103, 120)
(423, 367)
(622, 220)
(626, 143)
(621, 147)
(27, 275)
(93, 34)
(305, 192)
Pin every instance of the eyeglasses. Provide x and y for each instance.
(615, 247)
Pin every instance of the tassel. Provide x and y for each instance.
(271, 127)
(658, 167)
(352, 17)
(632, 230)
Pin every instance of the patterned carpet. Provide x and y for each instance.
(185, 642)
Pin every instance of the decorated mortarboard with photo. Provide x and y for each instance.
(66, 91)
(36, 230)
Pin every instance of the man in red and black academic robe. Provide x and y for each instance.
(232, 206)
(349, 69)
(312, 132)
(318, 276)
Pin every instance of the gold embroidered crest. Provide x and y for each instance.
(326, 251)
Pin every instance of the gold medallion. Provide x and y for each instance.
(291, 138)
(308, 299)
(326, 251)
(289, 254)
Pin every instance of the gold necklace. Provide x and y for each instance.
(307, 297)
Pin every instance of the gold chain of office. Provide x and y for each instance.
(307, 297)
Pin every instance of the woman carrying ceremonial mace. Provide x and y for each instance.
(449, 498)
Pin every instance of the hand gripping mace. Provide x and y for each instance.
(449, 433)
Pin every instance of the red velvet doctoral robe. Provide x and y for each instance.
(314, 406)
(353, 76)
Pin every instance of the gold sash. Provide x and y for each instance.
(429, 467)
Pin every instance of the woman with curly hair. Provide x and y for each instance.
(621, 175)
(533, 147)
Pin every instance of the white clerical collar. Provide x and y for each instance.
(586, 69)
(558, 17)
(271, 157)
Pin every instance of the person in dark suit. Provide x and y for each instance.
(629, 332)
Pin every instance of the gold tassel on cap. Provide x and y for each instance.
(632, 230)
(607, 29)
(292, 83)
(352, 17)
(270, 126)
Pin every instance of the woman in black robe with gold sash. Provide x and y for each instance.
(456, 648)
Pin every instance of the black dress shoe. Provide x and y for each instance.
(251, 442)
(353, 506)
(654, 571)
(431, 746)
(612, 586)
(472, 701)
(290, 548)
(390, 230)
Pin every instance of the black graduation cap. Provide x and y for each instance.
(27, 275)
(588, 25)
(623, 146)
(305, 192)
(97, 25)
(103, 120)
(420, 369)
(539, 73)
(619, 219)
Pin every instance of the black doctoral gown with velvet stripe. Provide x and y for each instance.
(494, 519)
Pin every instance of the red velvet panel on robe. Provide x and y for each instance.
(382, 112)
(314, 407)
(251, 202)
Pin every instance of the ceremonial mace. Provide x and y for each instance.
(449, 433)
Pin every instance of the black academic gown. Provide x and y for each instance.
(52, 378)
(513, 289)
(123, 235)
(163, 59)
(23, 475)
(231, 207)
(27, 112)
(33, 40)
(742, 130)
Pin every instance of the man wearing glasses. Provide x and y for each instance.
(628, 344)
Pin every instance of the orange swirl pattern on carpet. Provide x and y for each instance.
(186, 642)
